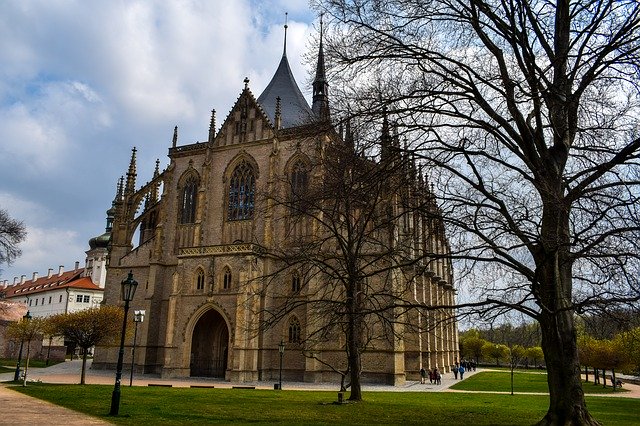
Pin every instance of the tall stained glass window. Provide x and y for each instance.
(189, 197)
(241, 193)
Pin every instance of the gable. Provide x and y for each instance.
(246, 122)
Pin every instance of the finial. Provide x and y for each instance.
(175, 136)
(131, 174)
(286, 21)
(246, 83)
(119, 189)
(278, 116)
(212, 126)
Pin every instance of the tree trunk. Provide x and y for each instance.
(586, 373)
(354, 330)
(84, 365)
(613, 378)
(553, 289)
(604, 378)
(567, 405)
(26, 365)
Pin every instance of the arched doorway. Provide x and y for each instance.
(209, 346)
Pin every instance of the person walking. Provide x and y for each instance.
(423, 375)
(455, 371)
(461, 371)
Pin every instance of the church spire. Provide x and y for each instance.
(286, 22)
(320, 106)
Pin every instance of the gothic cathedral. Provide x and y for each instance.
(203, 230)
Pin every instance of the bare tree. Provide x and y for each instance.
(529, 111)
(12, 233)
(347, 260)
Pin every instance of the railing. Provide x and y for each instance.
(246, 248)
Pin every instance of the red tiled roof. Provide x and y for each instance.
(70, 279)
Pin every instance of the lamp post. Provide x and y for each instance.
(16, 376)
(281, 350)
(138, 316)
(128, 290)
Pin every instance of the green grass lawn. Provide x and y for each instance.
(500, 381)
(36, 363)
(167, 406)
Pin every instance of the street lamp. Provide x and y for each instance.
(128, 290)
(16, 376)
(138, 316)
(281, 350)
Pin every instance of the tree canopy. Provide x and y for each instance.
(88, 328)
(12, 233)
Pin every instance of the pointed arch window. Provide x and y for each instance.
(294, 331)
(200, 279)
(188, 200)
(295, 282)
(299, 179)
(241, 193)
(226, 278)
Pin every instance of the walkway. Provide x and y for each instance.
(69, 373)
(22, 410)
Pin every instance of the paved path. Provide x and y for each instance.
(22, 410)
(69, 373)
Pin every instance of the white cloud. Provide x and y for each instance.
(42, 250)
(40, 129)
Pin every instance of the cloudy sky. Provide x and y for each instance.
(83, 82)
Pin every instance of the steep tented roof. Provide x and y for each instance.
(293, 106)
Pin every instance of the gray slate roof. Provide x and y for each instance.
(294, 108)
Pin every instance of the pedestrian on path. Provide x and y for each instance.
(423, 375)
(455, 371)
(461, 371)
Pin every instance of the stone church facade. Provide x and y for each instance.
(198, 227)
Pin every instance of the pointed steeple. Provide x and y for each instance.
(131, 174)
(294, 109)
(320, 105)
(174, 142)
(286, 25)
